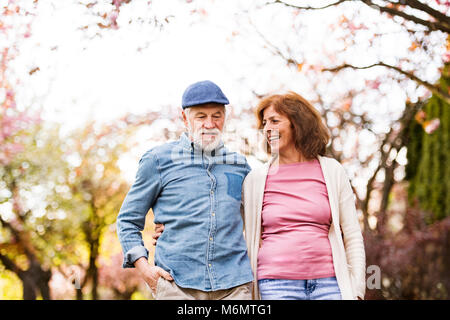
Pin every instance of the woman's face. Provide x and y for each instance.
(277, 130)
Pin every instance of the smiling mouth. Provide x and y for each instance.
(273, 139)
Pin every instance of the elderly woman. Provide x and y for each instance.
(301, 225)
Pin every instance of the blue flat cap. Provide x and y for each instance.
(203, 92)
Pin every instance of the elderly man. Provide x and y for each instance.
(194, 187)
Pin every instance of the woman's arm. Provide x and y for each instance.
(352, 236)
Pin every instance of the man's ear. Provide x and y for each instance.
(185, 118)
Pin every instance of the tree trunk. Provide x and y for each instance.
(92, 269)
(94, 280)
(79, 294)
(35, 280)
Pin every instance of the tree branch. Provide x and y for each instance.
(23, 239)
(434, 26)
(275, 50)
(396, 142)
(443, 23)
(15, 232)
(433, 88)
(432, 12)
(310, 8)
(9, 264)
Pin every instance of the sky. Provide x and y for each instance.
(139, 67)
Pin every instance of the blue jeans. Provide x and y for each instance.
(284, 289)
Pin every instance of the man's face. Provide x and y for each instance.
(205, 124)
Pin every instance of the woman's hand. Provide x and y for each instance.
(159, 228)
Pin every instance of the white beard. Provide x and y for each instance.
(197, 138)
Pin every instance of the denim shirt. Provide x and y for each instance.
(196, 195)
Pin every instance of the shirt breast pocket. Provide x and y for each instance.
(234, 185)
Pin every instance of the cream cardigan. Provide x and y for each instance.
(347, 247)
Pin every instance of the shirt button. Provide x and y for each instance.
(212, 192)
(209, 265)
(210, 239)
(213, 214)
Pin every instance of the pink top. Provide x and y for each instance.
(296, 218)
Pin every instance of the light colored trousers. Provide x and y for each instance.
(168, 290)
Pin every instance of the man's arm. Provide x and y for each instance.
(131, 220)
(140, 198)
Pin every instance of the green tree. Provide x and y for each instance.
(429, 155)
(30, 219)
(97, 187)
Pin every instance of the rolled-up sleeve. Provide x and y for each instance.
(137, 203)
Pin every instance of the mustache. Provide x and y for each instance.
(209, 131)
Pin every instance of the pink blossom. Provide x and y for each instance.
(431, 126)
(445, 3)
(446, 57)
(373, 84)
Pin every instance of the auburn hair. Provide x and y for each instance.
(311, 136)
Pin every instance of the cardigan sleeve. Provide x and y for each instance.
(352, 235)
